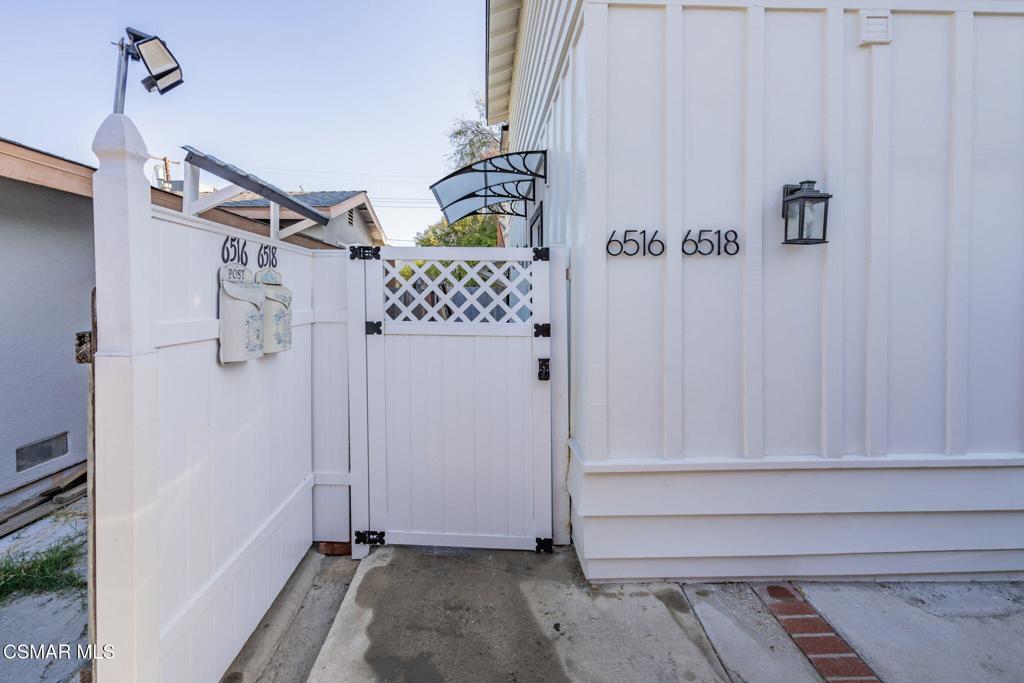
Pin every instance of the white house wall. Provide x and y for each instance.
(808, 375)
(48, 267)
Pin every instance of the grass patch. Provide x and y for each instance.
(45, 571)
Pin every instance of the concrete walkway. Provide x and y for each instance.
(431, 615)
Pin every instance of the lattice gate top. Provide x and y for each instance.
(464, 290)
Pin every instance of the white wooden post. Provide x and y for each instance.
(189, 189)
(275, 220)
(127, 571)
(359, 491)
(376, 400)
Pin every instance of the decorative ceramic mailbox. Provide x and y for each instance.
(241, 315)
(277, 311)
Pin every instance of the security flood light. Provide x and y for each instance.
(805, 210)
(164, 70)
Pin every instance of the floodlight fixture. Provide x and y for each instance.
(164, 70)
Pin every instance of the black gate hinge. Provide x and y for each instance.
(370, 537)
(541, 254)
(374, 327)
(545, 545)
(542, 329)
(363, 253)
(543, 369)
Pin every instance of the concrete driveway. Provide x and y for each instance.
(431, 615)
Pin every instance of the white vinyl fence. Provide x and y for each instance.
(205, 472)
(212, 480)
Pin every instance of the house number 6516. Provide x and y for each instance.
(634, 243)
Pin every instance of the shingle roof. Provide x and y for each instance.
(317, 199)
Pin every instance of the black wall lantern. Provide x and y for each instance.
(806, 212)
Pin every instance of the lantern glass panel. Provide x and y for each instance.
(793, 220)
(814, 219)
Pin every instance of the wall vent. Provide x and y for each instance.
(875, 27)
(38, 452)
(350, 217)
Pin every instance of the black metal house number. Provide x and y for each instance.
(638, 245)
(266, 256)
(705, 242)
(704, 245)
(233, 251)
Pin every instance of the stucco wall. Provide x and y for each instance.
(47, 264)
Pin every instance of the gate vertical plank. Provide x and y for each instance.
(462, 350)
(481, 424)
(398, 391)
(519, 440)
(451, 378)
(411, 455)
(498, 446)
(358, 443)
(375, 397)
(541, 423)
(435, 434)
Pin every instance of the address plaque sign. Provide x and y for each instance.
(703, 242)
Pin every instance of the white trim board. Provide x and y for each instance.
(925, 460)
(985, 565)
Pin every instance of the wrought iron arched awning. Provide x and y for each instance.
(496, 185)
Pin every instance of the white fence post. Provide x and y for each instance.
(559, 285)
(127, 571)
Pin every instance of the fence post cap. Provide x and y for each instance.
(118, 136)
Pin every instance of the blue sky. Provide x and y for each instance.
(323, 95)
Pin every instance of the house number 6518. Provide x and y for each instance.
(708, 242)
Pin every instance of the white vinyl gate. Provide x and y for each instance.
(458, 402)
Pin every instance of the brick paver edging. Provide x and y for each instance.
(827, 651)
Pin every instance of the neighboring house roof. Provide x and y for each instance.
(30, 165)
(332, 202)
(326, 198)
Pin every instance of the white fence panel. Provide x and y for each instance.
(235, 444)
(330, 397)
(205, 472)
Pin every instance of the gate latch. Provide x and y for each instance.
(363, 253)
(545, 545)
(374, 327)
(542, 329)
(541, 254)
(543, 369)
(370, 537)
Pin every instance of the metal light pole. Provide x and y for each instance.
(121, 83)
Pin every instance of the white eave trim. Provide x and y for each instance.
(503, 18)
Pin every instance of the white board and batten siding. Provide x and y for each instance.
(852, 409)
(212, 481)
